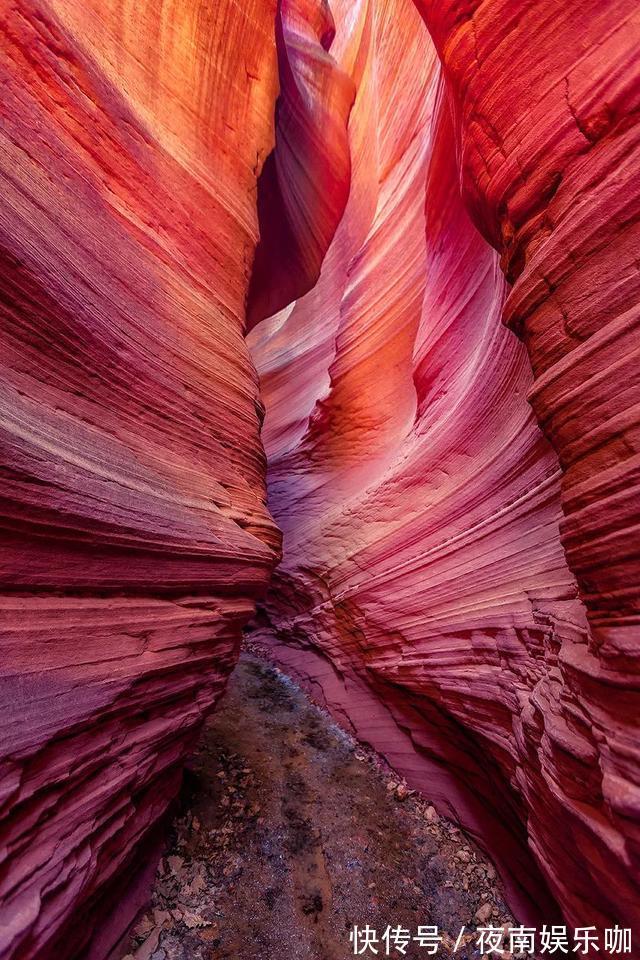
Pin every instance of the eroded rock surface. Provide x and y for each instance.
(461, 574)
(303, 188)
(135, 532)
(432, 590)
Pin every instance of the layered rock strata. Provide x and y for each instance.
(549, 167)
(135, 532)
(461, 574)
(461, 591)
(303, 188)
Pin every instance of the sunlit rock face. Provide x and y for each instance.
(135, 532)
(432, 591)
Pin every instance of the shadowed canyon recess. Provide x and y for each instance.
(320, 321)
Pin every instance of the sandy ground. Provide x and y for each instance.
(291, 833)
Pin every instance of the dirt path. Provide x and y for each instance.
(291, 834)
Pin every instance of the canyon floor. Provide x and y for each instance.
(290, 833)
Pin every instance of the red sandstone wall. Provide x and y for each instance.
(550, 165)
(304, 185)
(425, 591)
(135, 536)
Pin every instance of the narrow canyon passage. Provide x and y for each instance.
(290, 834)
(319, 321)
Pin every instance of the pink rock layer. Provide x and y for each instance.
(135, 532)
(461, 573)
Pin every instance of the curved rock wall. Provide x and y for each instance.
(135, 536)
(432, 589)
(303, 188)
(550, 162)
(425, 592)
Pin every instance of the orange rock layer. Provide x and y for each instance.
(461, 573)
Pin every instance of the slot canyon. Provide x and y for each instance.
(321, 329)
